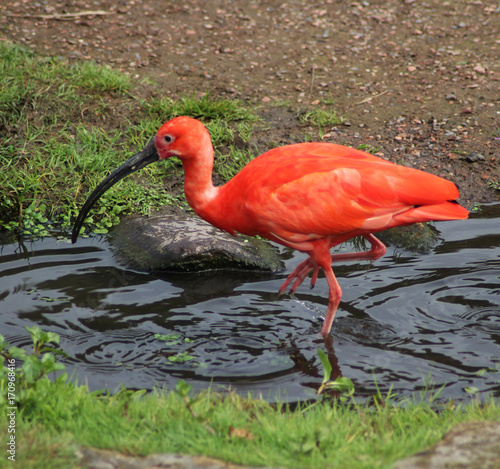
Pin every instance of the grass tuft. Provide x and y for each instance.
(59, 138)
(320, 118)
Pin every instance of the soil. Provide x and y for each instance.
(417, 80)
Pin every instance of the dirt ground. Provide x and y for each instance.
(418, 80)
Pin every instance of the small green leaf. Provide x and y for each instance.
(18, 353)
(343, 385)
(471, 390)
(182, 388)
(52, 336)
(327, 366)
(35, 333)
(48, 361)
(32, 369)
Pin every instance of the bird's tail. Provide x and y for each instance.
(441, 211)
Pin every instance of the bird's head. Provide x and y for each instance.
(183, 137)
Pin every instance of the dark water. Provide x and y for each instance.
(405, 320)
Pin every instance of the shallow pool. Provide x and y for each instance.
(405, 321)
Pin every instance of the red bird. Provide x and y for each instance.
(308, 196)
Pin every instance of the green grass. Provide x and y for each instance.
(64, 127)
(368, 148)
(494, 184)
(57, 417)
(54, 418)
(320, 118)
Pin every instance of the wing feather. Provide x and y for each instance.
(310, 191)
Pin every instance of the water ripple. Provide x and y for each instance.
(405, 320)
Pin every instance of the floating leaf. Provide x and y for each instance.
(168, 337)
(180, 358)
(471, 390)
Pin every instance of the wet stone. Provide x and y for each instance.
(420, 237)
(187, 243)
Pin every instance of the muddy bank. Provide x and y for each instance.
(417, 82)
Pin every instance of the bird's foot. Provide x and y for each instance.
(314, 276)
(299, 274)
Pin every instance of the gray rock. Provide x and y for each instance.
(420, 237)
(473, 157)
(188, 243)
(471, 445)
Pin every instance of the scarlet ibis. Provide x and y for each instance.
(307, 196)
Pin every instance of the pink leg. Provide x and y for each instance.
(377, 250)
(302, 270)
(334, 296)
(323, 260)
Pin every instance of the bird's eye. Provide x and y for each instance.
(168, 138)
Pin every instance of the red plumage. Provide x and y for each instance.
(308, 196)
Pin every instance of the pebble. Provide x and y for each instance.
(479, 69)
(473, 157)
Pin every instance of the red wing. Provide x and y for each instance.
(315, 190)
(371, 196)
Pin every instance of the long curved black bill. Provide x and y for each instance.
(146, 156)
